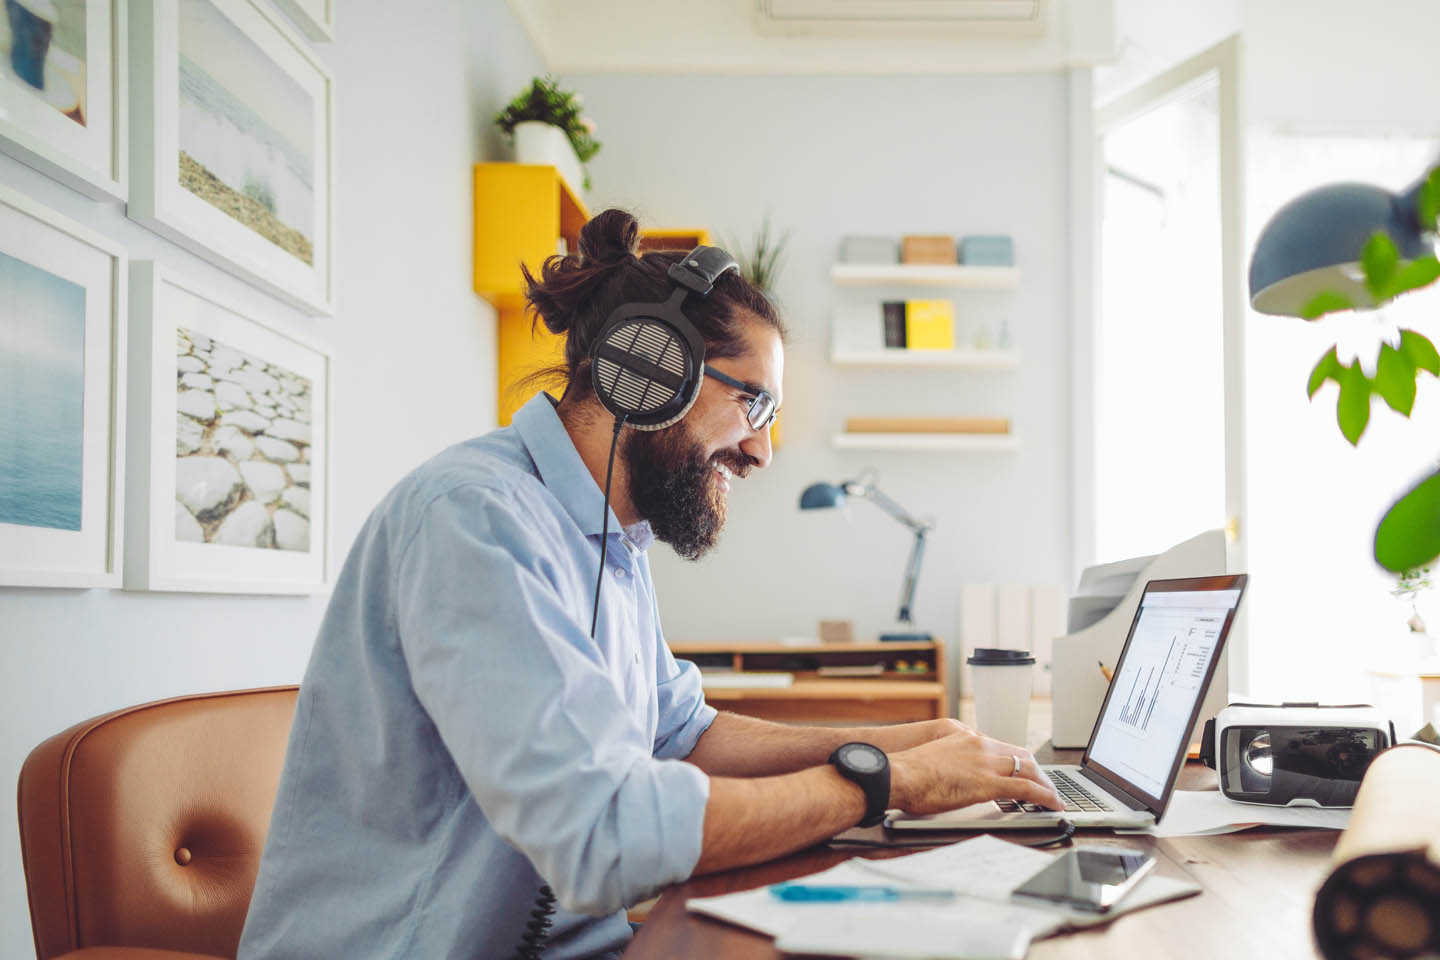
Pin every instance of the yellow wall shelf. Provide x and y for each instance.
(523, 212)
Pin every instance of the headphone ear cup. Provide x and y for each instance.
(645, 370)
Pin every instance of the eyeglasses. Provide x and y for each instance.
(761, 410)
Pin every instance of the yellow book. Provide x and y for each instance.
(929, 325)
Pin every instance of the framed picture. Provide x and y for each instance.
(231, 149)
(229, 465)
(63, 91)
(315, 18)
(62, 399)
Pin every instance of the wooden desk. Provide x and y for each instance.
(1259, 888)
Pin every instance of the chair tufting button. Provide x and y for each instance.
(182, 856)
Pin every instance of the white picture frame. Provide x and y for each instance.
(315, 18)
(211, 501)
(74, 126)
(61, 477)
(253, 192)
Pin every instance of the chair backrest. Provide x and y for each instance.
(144, 827)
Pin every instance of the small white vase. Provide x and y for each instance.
(547, 144)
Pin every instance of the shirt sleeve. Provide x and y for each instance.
(684, 714)
(514, 685)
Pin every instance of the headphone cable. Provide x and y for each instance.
(605, 522)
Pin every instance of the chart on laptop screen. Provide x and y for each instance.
(1158, 683)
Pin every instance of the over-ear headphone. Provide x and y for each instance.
(648, 362)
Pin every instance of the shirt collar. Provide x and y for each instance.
(564, 473)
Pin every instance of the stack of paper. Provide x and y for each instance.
(981, 923)
(1206, 813)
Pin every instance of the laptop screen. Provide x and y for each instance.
(1161, 679)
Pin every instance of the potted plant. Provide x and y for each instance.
(760, 259)
(547, 127)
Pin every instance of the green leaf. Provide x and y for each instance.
(1327, 369)
(1353, 408)
(1379, 260)
(1414, 275)
(1327, 302)
(1421, 351)
(1430, 194)
(1409, 535)
(1395, 379)
(1429, 205)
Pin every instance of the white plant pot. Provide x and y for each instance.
(547, 144)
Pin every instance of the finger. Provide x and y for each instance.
(1029, 767)
(1028, 791)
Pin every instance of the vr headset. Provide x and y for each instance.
(1294, 754)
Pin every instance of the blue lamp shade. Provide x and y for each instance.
(820, 496)
(1313, 244)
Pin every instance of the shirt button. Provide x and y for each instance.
(620, 572)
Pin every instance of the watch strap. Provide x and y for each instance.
(875, 784)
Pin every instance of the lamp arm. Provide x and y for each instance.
(857, 489)
(912, 576)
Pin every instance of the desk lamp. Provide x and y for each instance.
(820, 496)
(1313, 244)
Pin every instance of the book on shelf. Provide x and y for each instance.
(893, 313)
(987, 425)
(929, 325)
(850, 670)
(745, 678)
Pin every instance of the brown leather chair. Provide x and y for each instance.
(141, 830)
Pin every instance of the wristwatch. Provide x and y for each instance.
(869, 768)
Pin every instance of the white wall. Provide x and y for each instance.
(829, 156)
(416, 86)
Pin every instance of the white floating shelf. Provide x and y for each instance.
(953, 442)
(895, 357)
(925, 275)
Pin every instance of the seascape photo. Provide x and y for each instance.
(246, 132)
(242, 448)
(42, 394)
(42, 51)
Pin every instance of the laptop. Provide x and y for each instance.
(1142, 731)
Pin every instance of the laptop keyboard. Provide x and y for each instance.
(1076, 797)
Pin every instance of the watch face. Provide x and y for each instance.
(863, 758)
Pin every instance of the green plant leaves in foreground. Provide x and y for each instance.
(1327, 301)
(1421, 351)
(1395, 379)
(1409, 535)
(1380, 261)
(1396, 370)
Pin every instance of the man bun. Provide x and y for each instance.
(609, 238)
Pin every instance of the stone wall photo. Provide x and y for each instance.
(242, 448)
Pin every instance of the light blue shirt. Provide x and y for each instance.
(459, 736)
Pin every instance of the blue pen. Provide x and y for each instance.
(837, 893)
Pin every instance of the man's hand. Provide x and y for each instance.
(962, 768)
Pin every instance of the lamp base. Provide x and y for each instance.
(906, 638)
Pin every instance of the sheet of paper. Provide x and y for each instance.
(1198, 813)
(961, 933)
(989, 868)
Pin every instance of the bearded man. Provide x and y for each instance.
(467, 749)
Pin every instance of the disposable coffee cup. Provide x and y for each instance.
(1002, 680)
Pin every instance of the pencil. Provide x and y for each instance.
(1105, 671)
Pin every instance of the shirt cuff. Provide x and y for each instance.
(682, 742)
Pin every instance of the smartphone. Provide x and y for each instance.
(1090, 878)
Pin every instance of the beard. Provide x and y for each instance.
(673, 485)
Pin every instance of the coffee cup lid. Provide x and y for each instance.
(994, 657)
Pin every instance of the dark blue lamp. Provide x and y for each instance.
(820, 496)
(1313, 244)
